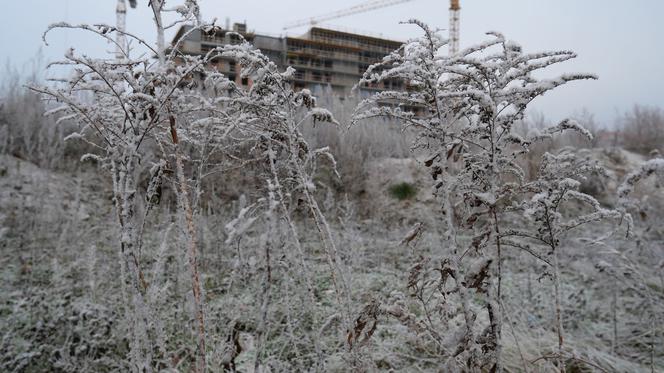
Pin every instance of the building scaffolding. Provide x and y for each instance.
(322, 57)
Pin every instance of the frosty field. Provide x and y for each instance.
(161, 214)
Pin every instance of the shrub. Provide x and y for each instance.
(643, 129)
(138, 109)
(469, 105)
(403, 191)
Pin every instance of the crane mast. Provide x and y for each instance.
(455, 10)
(120, 24)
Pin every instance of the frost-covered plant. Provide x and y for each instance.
(122, 105)
(546, 206)
(642, 129)
(266, 121)
(24, 131)
(464, 108)
(637, 266)
(193, 122)
(652, 167)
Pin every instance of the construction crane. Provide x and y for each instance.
(121, 16)
(455, 9)
(360, 8)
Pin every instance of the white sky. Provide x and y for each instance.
(621, 41)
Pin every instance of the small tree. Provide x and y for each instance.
(464, 108)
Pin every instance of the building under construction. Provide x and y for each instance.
(321, 57)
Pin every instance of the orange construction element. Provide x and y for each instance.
(454, 5)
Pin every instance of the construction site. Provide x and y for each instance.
(217, 186)
(323, 57)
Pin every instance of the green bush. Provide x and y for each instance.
(403, 191)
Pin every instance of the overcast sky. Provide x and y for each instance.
(621, 41)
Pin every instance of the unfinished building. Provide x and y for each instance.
(321, 57)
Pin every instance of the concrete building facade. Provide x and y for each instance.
(321, 57)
